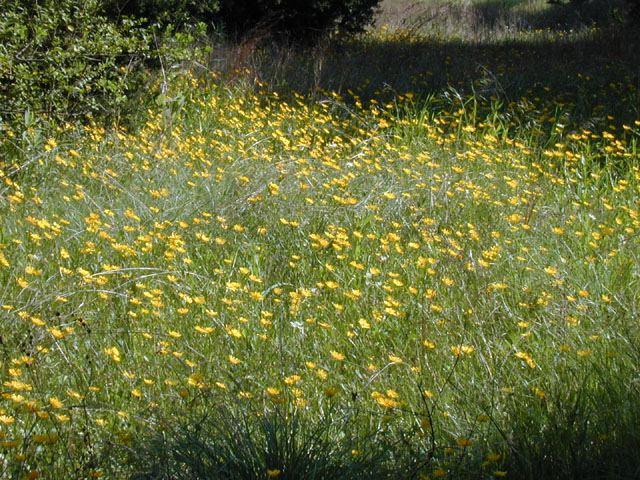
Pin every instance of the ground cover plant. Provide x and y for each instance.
(434, 281)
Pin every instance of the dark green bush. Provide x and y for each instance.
(176, 13)
(295, 19)
(288, 18)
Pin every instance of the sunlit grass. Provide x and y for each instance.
(458, 278)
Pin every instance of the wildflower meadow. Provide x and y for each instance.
(252, 281)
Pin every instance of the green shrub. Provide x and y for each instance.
(61, 59)
(64, 60)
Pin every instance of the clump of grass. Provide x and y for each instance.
(279, 442)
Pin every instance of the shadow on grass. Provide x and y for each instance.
(586, 426)
(577, 435)
(591, 73)
(581, 439)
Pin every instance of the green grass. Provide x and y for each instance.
(256, 282)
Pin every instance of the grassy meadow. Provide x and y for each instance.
(413, 254)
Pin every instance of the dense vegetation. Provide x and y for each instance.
(71, 58)
(412, 253)
(61, 58)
